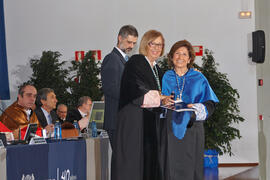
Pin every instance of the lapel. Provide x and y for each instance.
(121, 58)
(149, 73)
(54, 116)
(41, 117)
(78, 114)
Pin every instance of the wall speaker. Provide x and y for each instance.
(258, 46)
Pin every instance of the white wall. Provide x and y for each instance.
(262, 22)
(66, 25)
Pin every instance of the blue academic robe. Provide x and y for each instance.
(196, 89)
(185, 145)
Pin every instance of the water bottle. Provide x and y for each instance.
(76, 125)
(94, 128)
(57, 130)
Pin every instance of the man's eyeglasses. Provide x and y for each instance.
(152, 44)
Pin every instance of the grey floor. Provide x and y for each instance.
(232, 173)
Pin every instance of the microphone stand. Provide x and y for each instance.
(20, 134)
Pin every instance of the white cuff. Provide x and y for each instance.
(200, 111)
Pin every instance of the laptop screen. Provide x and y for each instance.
(97, 113)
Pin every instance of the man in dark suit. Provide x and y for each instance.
(46, 102)
(81, 114)
(111, 72)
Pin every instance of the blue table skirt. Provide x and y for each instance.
(54, 160)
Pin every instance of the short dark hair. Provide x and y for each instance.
(22, 87)
(127, 30)
(42, 95)
(177, 45)
(59, 105)
(83, 100)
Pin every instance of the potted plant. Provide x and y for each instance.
(50, 72)
(85, 80)
(219, 131)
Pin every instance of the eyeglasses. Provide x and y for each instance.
(152, 44)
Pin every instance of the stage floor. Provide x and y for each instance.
(233, 173)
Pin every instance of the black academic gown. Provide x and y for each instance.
(136, 146)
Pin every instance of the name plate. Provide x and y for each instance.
(37, 140)
(1, 144)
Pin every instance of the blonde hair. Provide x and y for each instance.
(148, 37)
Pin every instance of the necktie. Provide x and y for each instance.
(126, 57)
(49, 119)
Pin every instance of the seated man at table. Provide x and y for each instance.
(20, 113)
(46, 102)
(61, 112)
(81, 114)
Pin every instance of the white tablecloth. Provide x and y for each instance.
(3, 168)
(98, 154)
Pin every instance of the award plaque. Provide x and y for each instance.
(178, 107)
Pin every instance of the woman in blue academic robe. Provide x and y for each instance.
(185, 129)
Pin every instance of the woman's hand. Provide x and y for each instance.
(167, 100)
(151, 99)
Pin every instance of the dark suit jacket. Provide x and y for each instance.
(60, 120)
(73, 115)
(111, 73)
(42, 119)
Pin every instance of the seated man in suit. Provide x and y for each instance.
(46, 102)
(81, 114)
(61, 112)
(20, 113)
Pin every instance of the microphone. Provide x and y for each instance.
(20, 134)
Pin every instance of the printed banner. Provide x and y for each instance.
(67, 160)
(56, 160)
(27, 162)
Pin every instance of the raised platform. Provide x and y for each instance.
(233, 173)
